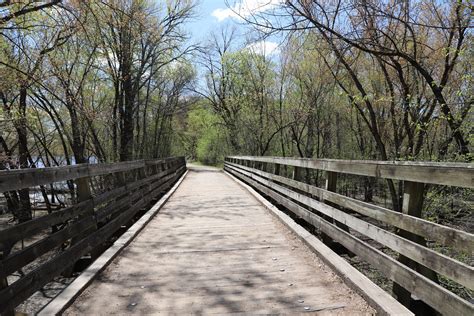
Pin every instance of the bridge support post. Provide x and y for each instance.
(331, 185)
(298, 173)
(412, 205)
(276, 169)
(83, 194)
(4, 284)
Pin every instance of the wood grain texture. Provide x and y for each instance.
(214, 248)
(449, 267)
(115, 208)
(445, 173)
(23, 178)
(443, 234)
(433, 294)
(382, 301)
(15, 233)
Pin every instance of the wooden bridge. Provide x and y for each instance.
(160, 238)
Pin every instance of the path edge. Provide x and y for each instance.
(61, 302)
(375, 296)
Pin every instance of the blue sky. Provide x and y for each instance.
(211, 15)
(205, 22)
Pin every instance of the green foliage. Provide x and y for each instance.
(202, 137)
(209, 149)
(449, 205)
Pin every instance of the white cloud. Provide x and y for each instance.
(222, 14)
(263, 48)
(245, 8)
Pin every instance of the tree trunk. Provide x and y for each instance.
(23, 213)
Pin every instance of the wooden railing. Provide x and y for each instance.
(354, 223)
(81, 228)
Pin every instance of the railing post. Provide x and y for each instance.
(4, 284)
(276, 169)
(412, 205)
(83, 192)
(156, 168)
(331, 181)
(330, 185)
(298, 173)
(83, 189)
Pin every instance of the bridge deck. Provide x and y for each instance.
(214, 249)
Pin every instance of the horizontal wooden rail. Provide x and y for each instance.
(85, 226)
(24, 230)
(445, 235)
(25, 178)
(445, 173)
(15, 261)
(320, 207)
(453, 269)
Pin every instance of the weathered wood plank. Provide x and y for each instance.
(66, 297)
(445, 235)
(454, 174)
(412, 205)
(146, 189)
(441, 299)
(33, 281)
(17, 292)
(19, 259)
(383, 302)
(11, 235)
(24, 178)
(190, 264)
(449, 267)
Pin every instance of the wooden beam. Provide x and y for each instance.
(440, 298)
(21, 231)
(445, 235)
(412, 205)
(383, 302)
(17, 292)
(25, 178)
(449, 267)
(454, 174)
(59, 304)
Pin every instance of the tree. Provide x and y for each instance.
(25, 43)
(397, 35)
(138, 39)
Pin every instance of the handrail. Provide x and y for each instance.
(443, 173)
(16, 179)
(443, 234)
(86, 225)
(332, 213)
